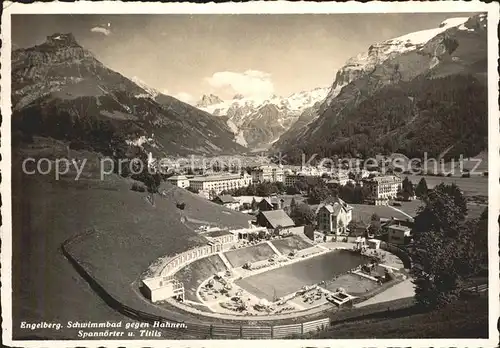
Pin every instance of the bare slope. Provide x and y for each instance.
(130, 233)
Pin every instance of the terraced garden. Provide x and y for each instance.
(258, 252)
(196, 272)
(289, 244)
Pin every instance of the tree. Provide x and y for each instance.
(399, 192)
(355, 225)
(292, 190)
(212, 194)
(280, 187)
(250, 190)
(440, 212)
(374, 224)
(479, 235)
(341, 226)
(456, 194)
(407, 187)
(346, 193)
(318, 194)
(421, 189)
(152, 182)
(301, 185)
(446, 249)
(302, 215)
(253, 205)
(358, 195)
(374, 227)
(138, 187)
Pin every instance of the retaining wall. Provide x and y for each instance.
(176, 262)
(396, 250)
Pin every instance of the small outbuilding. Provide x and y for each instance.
(227, 201)
(161, 288)
(374, 243)
(274, 218)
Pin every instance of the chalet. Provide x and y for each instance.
(227, 201)
(270, 203)
(273, 219)
(397, 231)
(333, 217)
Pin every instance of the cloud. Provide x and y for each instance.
(185, 97)
(101, 30)
(251, 83)
(165, 91)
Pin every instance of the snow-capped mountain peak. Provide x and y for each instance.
(208, 100)
(247, 115)
(422, 36)
(377, 53)
(295, 102)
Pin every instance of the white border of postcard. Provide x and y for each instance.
(278, 7)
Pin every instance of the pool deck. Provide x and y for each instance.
(401, 290)
(398, 291)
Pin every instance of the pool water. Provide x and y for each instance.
(290, 278)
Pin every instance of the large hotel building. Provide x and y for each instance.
(219, 183)
(383, 188)
(268, 173)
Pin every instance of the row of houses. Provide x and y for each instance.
(263, 203)
(382, 188)
(290, 177)
(332, 218)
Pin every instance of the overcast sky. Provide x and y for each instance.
(188, 56)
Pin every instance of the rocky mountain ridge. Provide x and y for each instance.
(258, 122)
(399, 71)
(61, 90)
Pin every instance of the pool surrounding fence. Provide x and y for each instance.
(216, 331)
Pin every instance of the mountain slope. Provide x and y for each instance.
(387, 100)
(300, 126)
(258, 123)
(60, 90)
